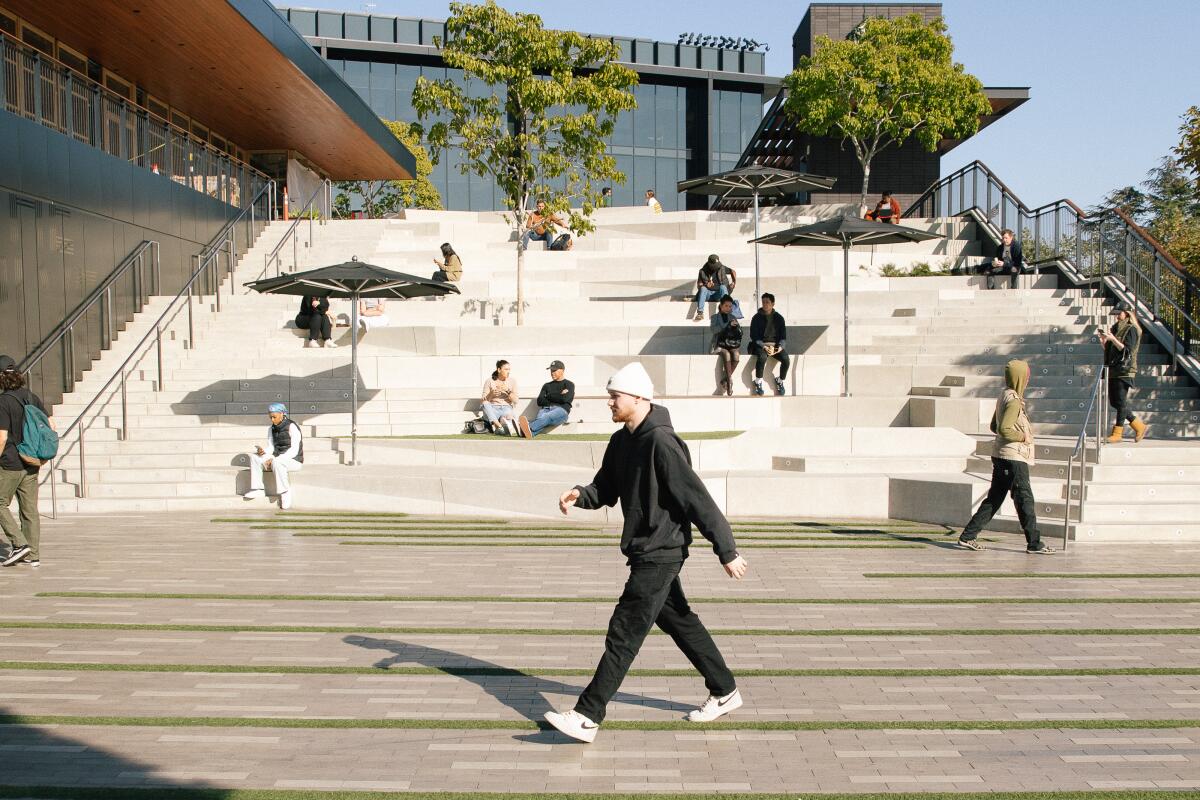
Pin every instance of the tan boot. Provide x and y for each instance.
(1118, 432)
(1139, 430)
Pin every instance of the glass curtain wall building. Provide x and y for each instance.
(697, 107)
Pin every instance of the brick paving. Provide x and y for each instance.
(188, 553)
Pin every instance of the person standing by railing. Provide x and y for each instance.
(1121, 345)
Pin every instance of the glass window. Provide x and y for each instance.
(664, 183)
(356, 27)
(383, 29)
(458, 185)
(687, 56)
(406, 82)
(644, 177)
(752, 111)
(709, 58)
(666, 112)
(753, 63)
(730, 62)
(644, 51)
(329, 24)
(731, 122)
(408, 31)
(665, 54)
(623, 192)
(383, 103)
(430, 29)
(643, 116)
(623, 130)
(305, 22)
(625, 50)
(358, 74)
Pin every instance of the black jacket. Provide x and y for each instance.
(557, 393)
(650, 472)
(306, 309)
(758, 327)
(1017, 261)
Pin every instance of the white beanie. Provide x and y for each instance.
(632, 379)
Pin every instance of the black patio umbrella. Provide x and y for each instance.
(753, 182)
(353, 280)
(845, 232)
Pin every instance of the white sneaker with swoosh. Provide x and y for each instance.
(715, 707)
(573, 724)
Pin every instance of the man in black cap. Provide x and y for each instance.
(554, 403)
(713, 281)
(18, 475)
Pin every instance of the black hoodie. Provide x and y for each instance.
(650, 471)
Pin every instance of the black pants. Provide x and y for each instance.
(1007, 477)
(653, 596)
(1118, 398)
(995, 276)
(318, 325)
(761, 364)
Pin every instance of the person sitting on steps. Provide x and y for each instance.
(499, 399)
(1121, 346)
(540, 225)
(372, 313)
(726, 342)
(449, 266)
(1008, 261)
(886, 210)
(554, 403)
(314, 318)
(713, 281)
(284, 454)
(768, 339)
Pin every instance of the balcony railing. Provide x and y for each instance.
(40, 88)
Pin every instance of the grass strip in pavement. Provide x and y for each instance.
(565, 543)
(558, 437)
(805, 601)
(611, 725)
(1089, 575)
(592, 536)
(452, 528)
(538, 672)
(43, 792)
(447, 630)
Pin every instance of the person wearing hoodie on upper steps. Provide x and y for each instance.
(648, 469)
(1012, 455)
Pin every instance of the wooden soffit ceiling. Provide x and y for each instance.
(237, 67)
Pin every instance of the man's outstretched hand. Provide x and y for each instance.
(567, 500)
(735, 569)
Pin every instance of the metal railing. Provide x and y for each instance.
(1107, 249)
(1096, 406)
(40, 88)
(208, 270)
(323, 214)
(63, 335)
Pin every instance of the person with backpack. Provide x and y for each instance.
(726, 342)
(27, 439)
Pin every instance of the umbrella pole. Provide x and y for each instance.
(846, 318)
(757, 294)
(354, 380)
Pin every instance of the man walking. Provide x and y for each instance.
(648, 469)
(283, 454)
(554, 403)
(18, 476)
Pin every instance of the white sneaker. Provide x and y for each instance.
(715, 707)
(310, 343)
(254, 494)
(573, 724)
(329, 343)
(285, 500)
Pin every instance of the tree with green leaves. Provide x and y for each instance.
(382, 197)
(894, 80)
(1188, 149)
(534, 113)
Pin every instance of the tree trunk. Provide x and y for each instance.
(862, 200)
(520, 280)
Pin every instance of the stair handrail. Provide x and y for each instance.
(102, 294)
(1161, 289)
(1095, 406)
(325, 189)
(224, 242)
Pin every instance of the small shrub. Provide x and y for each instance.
(891, 271)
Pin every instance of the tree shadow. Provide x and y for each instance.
(520, 691)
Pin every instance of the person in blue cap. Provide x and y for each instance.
(283, 454)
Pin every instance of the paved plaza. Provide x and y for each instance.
(303, 654)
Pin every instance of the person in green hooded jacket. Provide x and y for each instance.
(1012, 455)
(1120, 356)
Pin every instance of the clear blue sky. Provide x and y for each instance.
(1108, 79)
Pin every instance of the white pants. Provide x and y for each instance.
(370, 323)
(280, 466)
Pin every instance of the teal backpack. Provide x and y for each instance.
(39, 442)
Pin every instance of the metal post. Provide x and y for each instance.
(111, 328)
(846, 318)
(70, 358)
(82, 465)
(216, 278)
(158, 344)
(757, 288)
(354, 380)
(1067, 502)
(157, 267)
(191, 327)
(53, 484)
(295, 260)
(124, 410)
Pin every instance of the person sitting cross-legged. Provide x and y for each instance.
(554, 403)
(713, 281)
(283, 454)
(768, 339)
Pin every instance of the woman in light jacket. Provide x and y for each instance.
(1012, 455)
(499, 400)
(449, 265)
